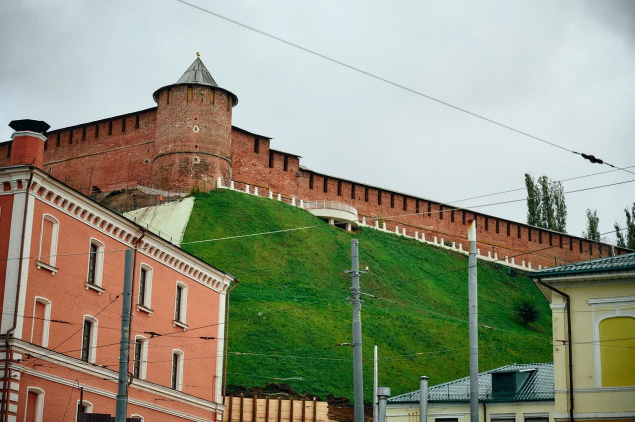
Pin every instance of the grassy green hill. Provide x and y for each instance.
(290, 307)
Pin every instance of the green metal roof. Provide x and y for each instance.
(616, 263)
(538, 385)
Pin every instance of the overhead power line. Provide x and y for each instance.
(589, 157)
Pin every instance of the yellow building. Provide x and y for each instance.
(593, 309)
(512, 393)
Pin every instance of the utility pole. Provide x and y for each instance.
(423, 398)
(383, 393)
(124, 345)
(375, 386)
(473, 305)
(357, 333)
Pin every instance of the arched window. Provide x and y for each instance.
(34, 405)
(83, 407)
(615, 348)
(180, 305)
(139, 417)
(48, 240)
(140, 362)
(95, 265)
(145, 288)
(89, 339)
(177, 370)
(40, 326)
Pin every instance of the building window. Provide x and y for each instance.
(379, 197)
(48, 240)
(190, 93)
(271, 159)
(180, 303)
(141, 419)
(83, 133)
(140, 362)
(95, 263)
(286, 163)
(446, 419)
(311, 181)
(145, 287)
(339, 188)
(326, 184)
(352, 190)
(34, 411)
(257, 145)
(544, 418)
(616, 349)
(89, 340)
(70, 137)
(83, 407)
(41, 324)
(177, 370)
(58, 141)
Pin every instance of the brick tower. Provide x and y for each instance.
(28, 142)
(194, 123)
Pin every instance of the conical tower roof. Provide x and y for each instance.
(197, 74)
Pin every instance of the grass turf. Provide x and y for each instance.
(291, 306)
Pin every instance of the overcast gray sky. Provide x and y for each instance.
(563, 71)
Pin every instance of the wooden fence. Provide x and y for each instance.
(241, 409)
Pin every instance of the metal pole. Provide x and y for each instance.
(124, 345)
(423, 398)
(382, 393)
(473, 305)
(375, 385)
(357, 334)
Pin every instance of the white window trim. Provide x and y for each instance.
(99, 264)
(179, 369)
(141, 418)
(597, 350)
(183, 320)
(87, 405)
(147, 306)
(46, 322)
(39, 406)
(92, 347)
(143, 367)
(52, 254)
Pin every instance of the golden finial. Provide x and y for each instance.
(197, 54)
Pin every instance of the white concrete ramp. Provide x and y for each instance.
(168, 221)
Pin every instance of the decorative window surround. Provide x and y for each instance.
(597, 350)
(608, 301)
(39, 404)
(46, 322)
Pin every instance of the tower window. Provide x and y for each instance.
(379, 197)
(136, 122)
(570, 244)
(580, 242)
(529, 233)
(440, 212)
(519, 231)
(97, 131)
(58, 140)
(497, 225)
(405, 203)
(257, 145)
(392, 200)
(211, 96)
(429, 209)
(286, 163)
(271, 159)
(550, 239)
(352, 190)
(83, 133)
(560, 241)
(123, 125)
(540, 236)
(109, 127)
(311, 181)
(590, 249)
(417, 206)
(339, 188)
(452, 216)
(190, 93)
(326, 184)
(366, 194)
(70, 137)
(46, 146)
(464, 217)
(168, 96)
(486, 223)
(508, 229)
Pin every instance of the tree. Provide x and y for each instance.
(560, 207)
(620, 242)
(630, 227)
(526, 311)
(593, 221)
(546, 203)
(533, 201)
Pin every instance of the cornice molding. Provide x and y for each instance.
(28, 133)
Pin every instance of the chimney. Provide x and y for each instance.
(28, 142)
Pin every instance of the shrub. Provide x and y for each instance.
(526, 311)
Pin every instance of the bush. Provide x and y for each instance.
(526, 311)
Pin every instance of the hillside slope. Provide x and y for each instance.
(290, 308)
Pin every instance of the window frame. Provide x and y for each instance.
(99, 265)
(39, 405)
(143, 357)
(52, 255)
(182, 320)
(176, 380)
(146, 306)
(92, 341)
(46, 323)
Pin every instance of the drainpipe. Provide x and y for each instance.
(568, 299)
(227, 338)
(4, 410)
(134, 274)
